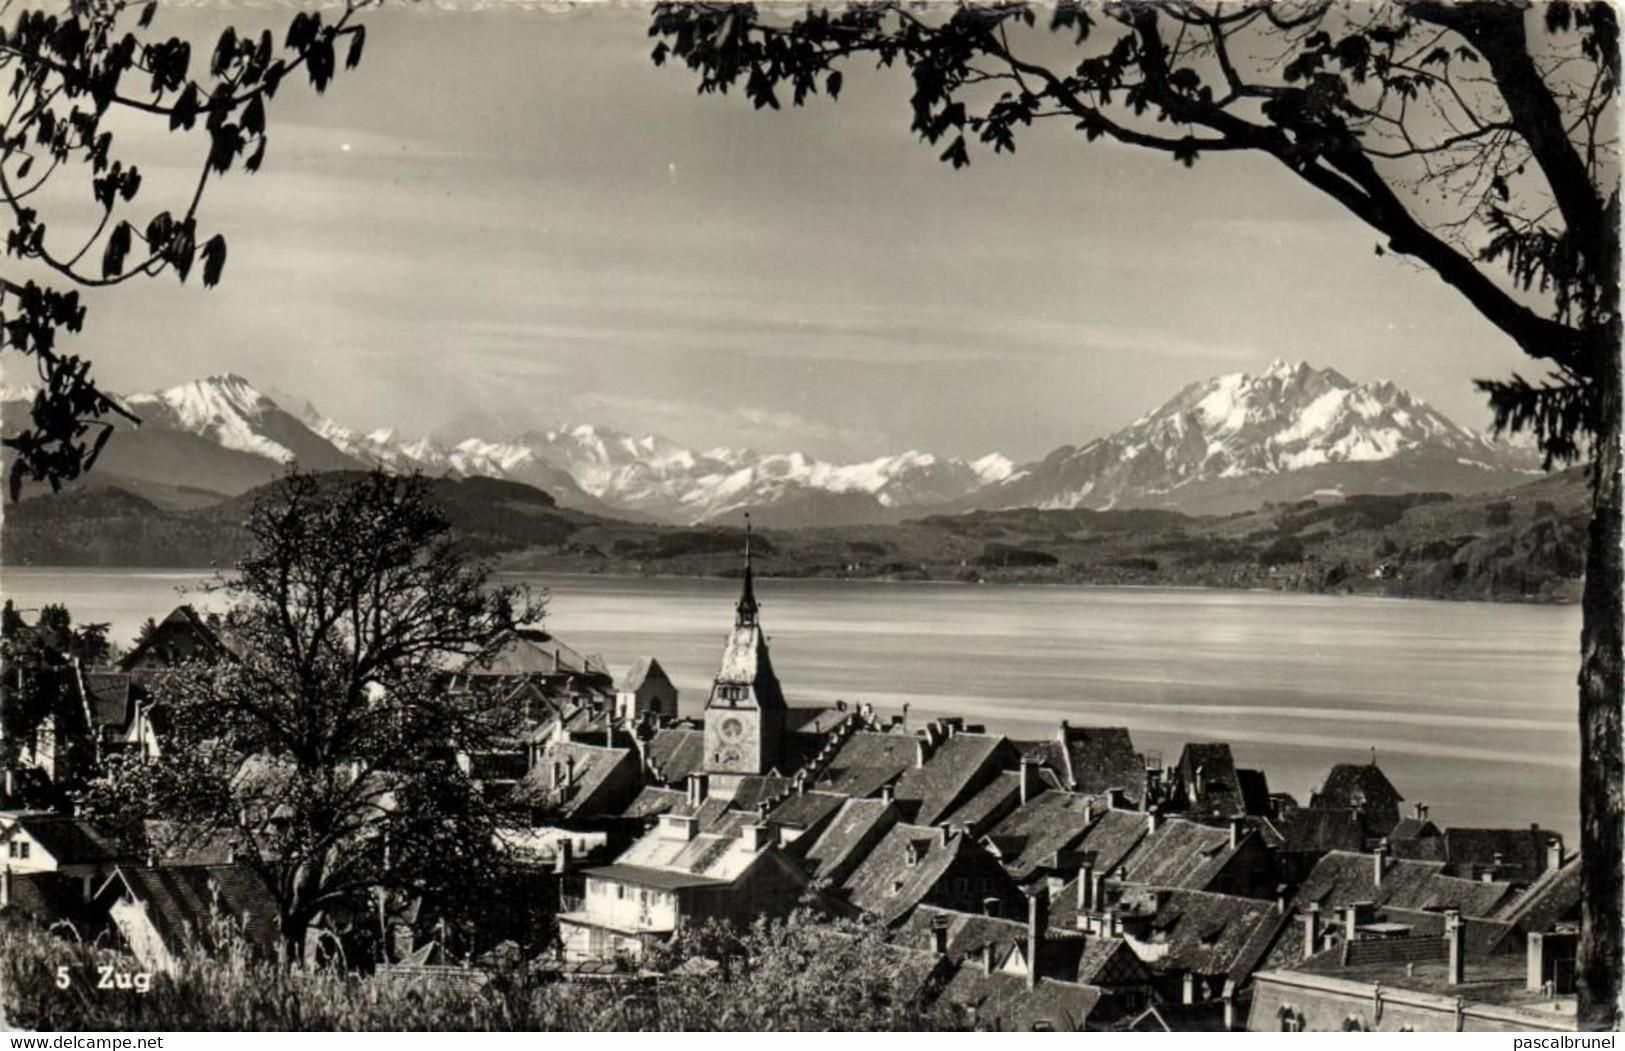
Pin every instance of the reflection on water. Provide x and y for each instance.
(1469, 706)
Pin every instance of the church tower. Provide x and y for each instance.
(745, 714)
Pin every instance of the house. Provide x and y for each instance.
(977, 816)
(1551, 902)
(1177, 854)
(1307, 834)
(183, 636)
(914, 865)
(1064, 954)
(945, 775)
(575, 780)
(1202, 947)
(1094, 760)
(672, 755)
(162, 911)
(988, 997)
(645, 691)
(1345, 878)
(1517, 855)
(1414, 837)
(1035, 840)
(867, 761)
(677, 875)
(846, 840)
(804, 813)
(46, 898)
(1207, 784)
(1364, 789)
(71, 847)
(118, 711)
(1421, 984)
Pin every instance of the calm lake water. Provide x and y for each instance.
(1470, 706)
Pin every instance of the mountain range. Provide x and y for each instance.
(1219, 446)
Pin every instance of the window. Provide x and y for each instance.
(19, 849)
(620, 892)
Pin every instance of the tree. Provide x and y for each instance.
(74, 78)
(324, 750)
(1476, 139)
(41, 663)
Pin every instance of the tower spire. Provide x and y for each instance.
(747, 607)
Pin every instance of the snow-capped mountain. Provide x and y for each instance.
(1232, 442)
(654, 476)
(1225, 444)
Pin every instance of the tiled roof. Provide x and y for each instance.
(1551, 899)
(47, 897)
(1048, 823)
(182, 635)
(586, 771)
(660, 879)
(1180, 854)
(644, 669)
(901, 869)
(187, 900)
(832, 852)
(1098, 758)
(1003, 1001)
(806, 810)
(675, 753)
(1345, 878)
(718, 857)
(949, 774)
(753, 789)
(1411, 829)
(868, 760)
(987, 807)
(70, 840)
(1353, 784)
(1207, 776)
(1314, 829)
(528, 651)
(652, 802)
(109, 697)
(1204, 933)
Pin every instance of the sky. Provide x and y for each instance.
(508, 219)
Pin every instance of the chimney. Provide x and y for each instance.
(561, 856)
(1097, 891)
(1420, 812)
(698, 789)
(921, 753)
(1037, 925)
(1554, 852)
(1089, 811)
(1379, 863)
(1116, 925)
(987, 958)
(990, 906)
(1030, 785)
(678, 826)
(1086, 888)
(887, 792)
(558, 773)
(1229, 995)
(1452, 937)
(1311, 929)
(1235, 833)
(758, 837)
(939, 935)
(1187, 992)
(1152, 819)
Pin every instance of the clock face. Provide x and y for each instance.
(732, 729)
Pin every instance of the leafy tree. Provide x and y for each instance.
(39, 682)
(324, 750)
(1476, 139)
(75, 78)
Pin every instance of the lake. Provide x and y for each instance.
(1469, 706)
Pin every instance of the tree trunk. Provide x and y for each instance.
(1602, 759)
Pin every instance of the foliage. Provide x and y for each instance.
(325, 746)
(78, 81)
(802, 973)
(39, 660)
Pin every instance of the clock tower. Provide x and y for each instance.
(745, 714)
